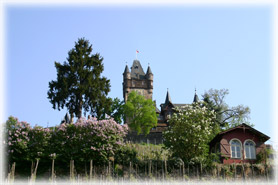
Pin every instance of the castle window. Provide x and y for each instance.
(235, 148)
(249, 149)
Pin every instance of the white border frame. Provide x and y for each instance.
(273, 3)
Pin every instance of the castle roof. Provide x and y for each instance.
(149, 71)
(137, 70)
(126, 70)
(168, 98)
(179, 105)
(196, 98)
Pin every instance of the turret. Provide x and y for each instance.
(126, 73)
(149, 74)
(196, 98)
(168, 98)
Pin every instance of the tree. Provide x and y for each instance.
(17, 139)
(140, 113)
(90, 139)
(190, 130)
(226, 116)
(37, 147)
(117, 110)
(79, 83)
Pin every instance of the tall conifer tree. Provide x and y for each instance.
(79, 83)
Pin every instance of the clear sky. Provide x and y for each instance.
(187, 46)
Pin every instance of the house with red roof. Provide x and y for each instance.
(238, 144)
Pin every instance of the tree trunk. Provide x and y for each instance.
(71, 117)
(80, 106)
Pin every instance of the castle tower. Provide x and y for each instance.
(138, 81)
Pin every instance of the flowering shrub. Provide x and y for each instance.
(38, 142)
(17, 139)
(85, 140)
(191, 128)
(102, 138)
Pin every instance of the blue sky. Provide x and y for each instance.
(187, 46)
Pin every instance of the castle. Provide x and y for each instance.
(141, 82)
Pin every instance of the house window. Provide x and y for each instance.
(235, 149)
(250, 151)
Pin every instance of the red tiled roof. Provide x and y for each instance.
(242, 126)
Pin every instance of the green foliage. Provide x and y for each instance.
(140, 113)
(125, 155)
(16, 141)
(149, 151)
(264, 155)
(117, 110)
(191, 128)
(88, 139)
(226, 116)
(79, 83)
(82, 141)
(38, 143)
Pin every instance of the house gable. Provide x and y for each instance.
(241, 133)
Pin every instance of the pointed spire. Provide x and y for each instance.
(168, 98)
(149, 71)
(196, 98)
(126, 69)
